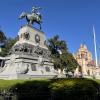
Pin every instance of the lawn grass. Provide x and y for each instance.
(6, 84)
(97, 80)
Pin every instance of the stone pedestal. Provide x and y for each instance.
(29, 57)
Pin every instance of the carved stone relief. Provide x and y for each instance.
(30, 50)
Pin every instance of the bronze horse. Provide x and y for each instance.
(31, 18)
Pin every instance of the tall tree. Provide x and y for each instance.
(62, 59)
(8, 44)
(2, 36)
(2, 39)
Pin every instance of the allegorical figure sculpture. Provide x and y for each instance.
(32, 17)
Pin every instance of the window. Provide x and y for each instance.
(47, 69)
(33, 67)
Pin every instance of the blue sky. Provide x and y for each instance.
(72, 20)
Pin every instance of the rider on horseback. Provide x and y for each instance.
(35, 10)
(35, 16)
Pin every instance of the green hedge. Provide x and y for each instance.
(74, 89)
(55, 89)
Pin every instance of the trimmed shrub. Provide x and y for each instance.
(54, 89)
(70, 89)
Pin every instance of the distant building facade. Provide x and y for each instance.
(85, 60)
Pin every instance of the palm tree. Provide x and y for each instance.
(62, 58)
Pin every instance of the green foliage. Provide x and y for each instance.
(71, 63)
(76, 89)
(61, 57)
(8, 84)
(2, 36)
(8, 44)
(58, 89)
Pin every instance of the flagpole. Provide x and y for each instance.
(95, 47)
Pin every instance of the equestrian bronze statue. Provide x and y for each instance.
(32, 17)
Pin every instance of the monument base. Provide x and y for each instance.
(29, 57)
(25, 76)
(27, 67)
